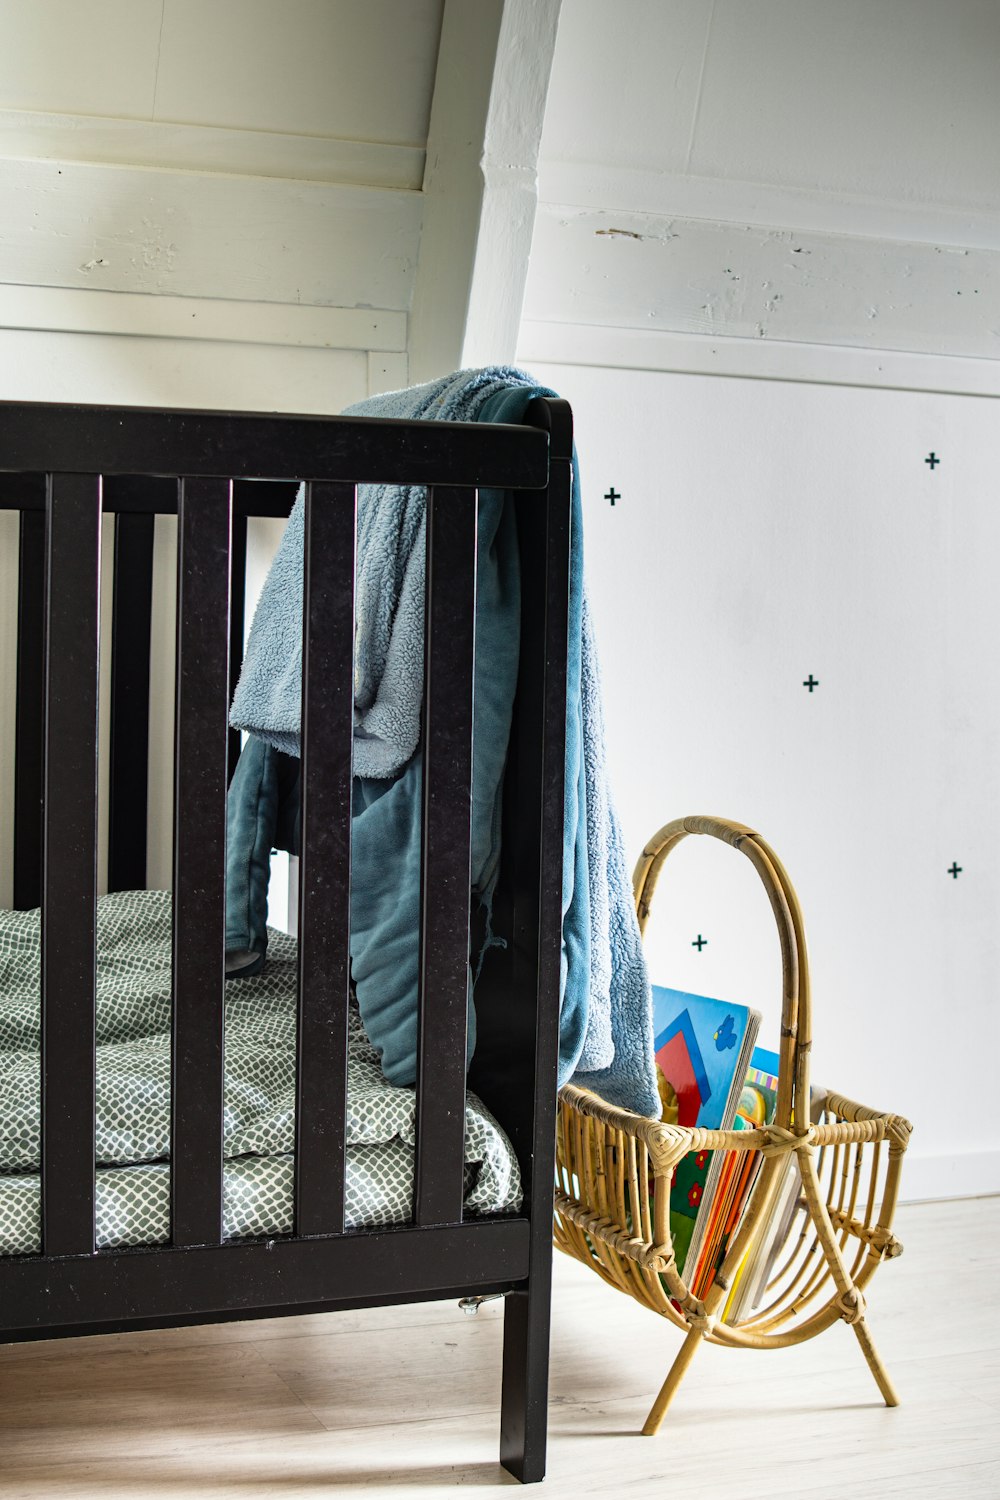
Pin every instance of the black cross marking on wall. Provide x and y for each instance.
(811, 682)
(612, 495)
(955, 870)
(932, 460)
(700, 942)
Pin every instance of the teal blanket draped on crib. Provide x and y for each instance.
(606, 1040)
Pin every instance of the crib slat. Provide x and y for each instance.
(202, 701)
(29, 713)
(69, 862)
(325, 867)
(131, 615)
(447, 816)
(237, 617)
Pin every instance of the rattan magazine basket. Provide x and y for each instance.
(614, 1170)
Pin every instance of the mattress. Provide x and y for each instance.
(133, 1095)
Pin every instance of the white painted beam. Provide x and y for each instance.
(144, 315)
(572, 344)
(199, 234)
(733, 200)
(108, 369)
(665, 273)
(41, 136)
(480, 184)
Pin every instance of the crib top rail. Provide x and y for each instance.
(63, 438)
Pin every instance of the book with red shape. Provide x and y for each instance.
(702, 1048)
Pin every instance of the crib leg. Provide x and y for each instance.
(525, 1396)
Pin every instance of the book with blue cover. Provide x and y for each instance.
(703, 1049)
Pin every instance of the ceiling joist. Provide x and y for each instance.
(480, 183)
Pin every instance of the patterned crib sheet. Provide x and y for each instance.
(133, 1095)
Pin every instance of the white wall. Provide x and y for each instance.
(765, 272)
(767, 531)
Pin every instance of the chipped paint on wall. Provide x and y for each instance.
(761, 282)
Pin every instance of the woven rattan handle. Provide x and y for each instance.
(796, 1005)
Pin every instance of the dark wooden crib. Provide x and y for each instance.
(61, 466)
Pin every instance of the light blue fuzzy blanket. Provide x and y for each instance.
(606, 1040)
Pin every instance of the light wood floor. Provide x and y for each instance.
(394, 1401)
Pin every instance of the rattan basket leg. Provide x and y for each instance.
(703, 1322)
(668, 1389)
(851, 1301)
(875, 1364)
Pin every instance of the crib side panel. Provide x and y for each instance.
(520, 1034)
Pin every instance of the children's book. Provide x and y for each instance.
(737, 1173)
(702, 1048)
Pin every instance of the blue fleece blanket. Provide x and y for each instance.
(606, 1040)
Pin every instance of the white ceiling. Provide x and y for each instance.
(899, 99)
(354, 69)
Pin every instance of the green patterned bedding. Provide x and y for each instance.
(133, 1095)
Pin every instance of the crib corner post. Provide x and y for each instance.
(538, 783)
